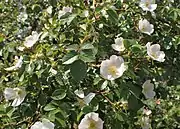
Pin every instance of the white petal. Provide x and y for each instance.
(20, 96)
(89, 97)
(145, 123)
(154, 52)
(160, 55)
(47, 124)
(67, 9)
(79, 93)
(119, 45)
(113, 68)
(147, 112)
(37, 125)
(149, 95)
(49, 10)
(89, 119)
(61, 13)
(19, 62)
(155, 48)
(148, 90)
(32, 39)
(9, 94)
(152, 7)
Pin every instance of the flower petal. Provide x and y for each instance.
(88, 98)
(47, 124)
(9, 94)
(37, 125)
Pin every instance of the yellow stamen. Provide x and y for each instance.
(112, 70)
(92, 125)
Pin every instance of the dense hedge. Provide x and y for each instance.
(65, 62)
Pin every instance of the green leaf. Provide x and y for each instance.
(72, 47)
(69, 19)
(130, 42)
(59, 94)
(1, 38)
(113, 16)
(134, 103)
(78, 70)
(87, 46)
(52, 2)
(70, 58)
(42, 99)
(49, 107)
(87, 56)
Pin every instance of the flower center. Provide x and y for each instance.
(92, 125)
(112, 70)
(154, 55)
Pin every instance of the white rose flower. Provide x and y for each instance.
(16, 94)
(145, 123)
(148, 90)
(18, 64)
(64, 11)
(119, 45)
(85, 99)
(45, 124)
(147, 112)
(91, 121)
(146, 27)
(148, 5)
(32, 39)
(154, 52)
(113, 68)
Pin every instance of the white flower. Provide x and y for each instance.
(147, 112)
(49, 10)
(113, 68)
(154, 52)
(148, 5)
(64, 11)
(16, 94)
(148, 90)
(18, 64)
(86, 99)
(22, 17)
(119, 45)
(146, 27)
(45, 124)
(91, 121)
(32, 39)
(145, 123)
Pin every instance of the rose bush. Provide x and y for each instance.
(94, 64)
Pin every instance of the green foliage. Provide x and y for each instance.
(74, 45)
